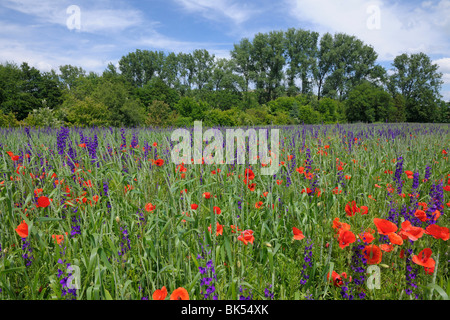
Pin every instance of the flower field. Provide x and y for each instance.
(355, 212)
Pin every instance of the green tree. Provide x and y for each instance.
(85, 113)
(417, 79)
(268, 56)
(368, 103)
(301, 52)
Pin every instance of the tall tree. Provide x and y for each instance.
(324, 62)
(301, 52)
(352, 62)
(268, 56)
(140, 66)
(241, 55)
(418, 80)
(203, 66)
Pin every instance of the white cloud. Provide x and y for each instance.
(401, 28)
(218, 9)
(93, 19)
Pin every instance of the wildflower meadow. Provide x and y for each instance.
(353, 212)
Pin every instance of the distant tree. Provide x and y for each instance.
(300, 51)
(244, 65)
(368, 103)
(70, 76)
(417, 79)
(267, 54)
(158, 114)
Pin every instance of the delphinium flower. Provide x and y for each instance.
(242, 296)
(64, 273)
(411, 274)
(76, 228)
(71, 159)
(27, 255)
(307, 262)
(341, 179)
(427, 173)
(208, 281)
(92, 148)
(358, 267)
(268, 293)
(208, 273)
(125, 243)
(436, 203)
(134, 140)
(141, 221)
(398, 175)
(61, 140)
(124, 139)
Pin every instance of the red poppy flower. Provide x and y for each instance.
(194, 206)
(351, 209)
(337, 225)
(447, 188)
(424, 258)
(233, 228)
(258, 204)
(206, 195)
(179, 294)
(159, 162)
(219, 229)
(149, 207)
(373, 254)
(366, 237)
(346, 237)
(22, 229)
(59, 238)
(409, 231)
(160, 294)
(249, 175)
(43, 202)
(298, 235)
(246, 237)
(217, 210)
(364, 210)
(300, 170)
(251, 187)
(386, 247)
(395, 238)
(384, 227)
(336, 278)
(437, 232)
(421, 215)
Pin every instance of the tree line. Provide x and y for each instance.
(280, 77)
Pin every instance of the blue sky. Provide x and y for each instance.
(46, 33)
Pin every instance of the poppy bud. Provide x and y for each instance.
(267, 244)
(117, 219)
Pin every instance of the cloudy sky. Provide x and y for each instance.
(91, 34)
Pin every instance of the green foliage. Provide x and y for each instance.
(274, 73)
(417, 79)
(367, 103)
(157, 89)
(43, 117)
(159, 114)
(189, 107)
(85, 113)
(9, 120)
(305, 114)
